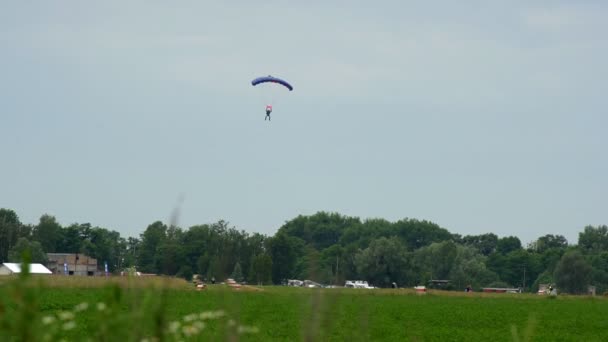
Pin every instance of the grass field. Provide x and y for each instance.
(142, 308)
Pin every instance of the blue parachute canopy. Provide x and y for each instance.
(271, 79)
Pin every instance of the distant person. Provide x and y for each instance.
(394, 285)
(268, 111)
(468, 289)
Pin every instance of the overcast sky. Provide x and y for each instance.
(481, 116)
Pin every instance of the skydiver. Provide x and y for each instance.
(268, 111)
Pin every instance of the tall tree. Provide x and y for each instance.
(49, 233)
(508, 244)
(9, 231)
(484, 243)
(573, 273)
(237, 273)
(151, 239)
(594, 238)
(469, 268)
(284, 251)
(383, 262)
(34, 248)
(551, 241)
(261, 270)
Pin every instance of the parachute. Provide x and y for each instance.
(266, 79)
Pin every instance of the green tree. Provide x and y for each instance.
(333, 260)
(71, 239)
(551, 241)
(515, 268)
(383, 262)
(284, 251)
(237, 273)
(264, 269)
(594, 238)
(320, 230)
(435, 261)
(508, 244)
(203, 264)
(469, 268)
(215, 270)
(185, 272)
(151, 239)
(484, 243)
(37, 255)
(417, 234)
(573, 273)
(49, 233)
(550, 257)
(9, 231)
(599, 275)
(544, 278)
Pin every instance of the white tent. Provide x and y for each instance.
(8, 268)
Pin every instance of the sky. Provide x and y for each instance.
(480, 116)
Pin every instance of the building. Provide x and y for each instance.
(72, 264)
(9, 268)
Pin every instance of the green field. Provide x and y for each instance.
(135, 312)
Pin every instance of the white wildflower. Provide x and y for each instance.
(46, 320)
(66, 315)
(190, 318)
(211, 314)
(247, 330)
(81, 307)
(200, 325)
(174, 326)
(101, 306)
(189, 330)
(231, 323)
(69, 325)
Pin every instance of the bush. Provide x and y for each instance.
(185, 272)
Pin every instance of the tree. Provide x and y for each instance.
(469, 268)
(185, 272)
(202, 264)
(594, 238)
(383, 262)
(508, 244)
(237, 273)
(37, 255)
(543, 278)
(9, 231)
(573, 273)
(71, 239)
(261, 270)
(49, 233)
(151, 239)
(518, 268)
(417, 234)
(485, 243)
(550, 257)
(435, 261)
(320, 230)
(551, 241)
(284, 251)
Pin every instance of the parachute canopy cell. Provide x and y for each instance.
(269, 78)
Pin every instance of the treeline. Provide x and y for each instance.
(328, 248)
